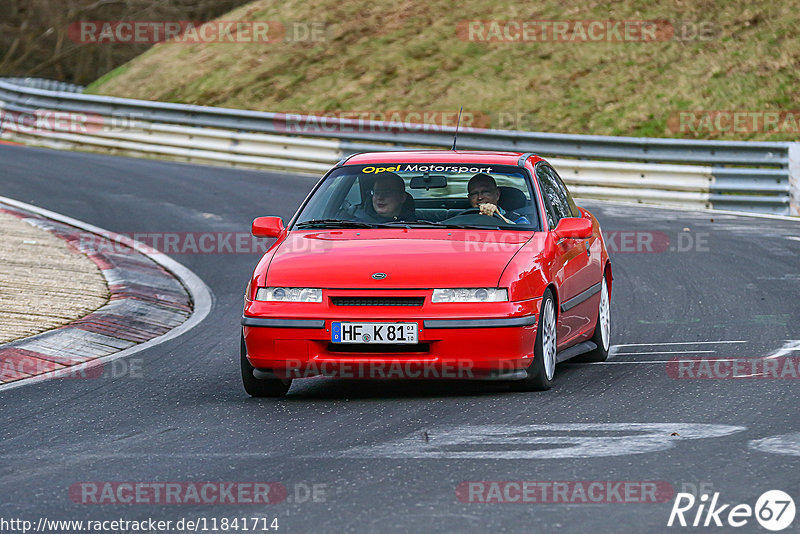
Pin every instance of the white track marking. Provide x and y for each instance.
(676, 343)
(793, 238)
(665, 352)
(645, 362)
(615, 363)
(788, 347)
(539, 442)
(782, 444)
(202, 297)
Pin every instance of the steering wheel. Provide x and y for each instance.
(346, 210)
(477, 211)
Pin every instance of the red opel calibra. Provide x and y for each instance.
(428, 264)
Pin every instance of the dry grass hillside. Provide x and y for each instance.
(405, 55)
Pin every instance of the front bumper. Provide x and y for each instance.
(466, 348)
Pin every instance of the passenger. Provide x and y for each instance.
(484, 194)
(390, 202)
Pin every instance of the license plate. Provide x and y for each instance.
(392, 333)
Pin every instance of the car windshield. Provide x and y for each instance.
(419, 195)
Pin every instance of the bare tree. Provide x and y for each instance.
(35, 39)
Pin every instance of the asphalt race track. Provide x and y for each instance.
(389, 456)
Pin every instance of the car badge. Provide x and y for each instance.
(378, 276)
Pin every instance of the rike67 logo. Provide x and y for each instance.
(774, 510)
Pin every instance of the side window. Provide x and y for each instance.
(555, 200)
(573, 208)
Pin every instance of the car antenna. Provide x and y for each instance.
(455, 137)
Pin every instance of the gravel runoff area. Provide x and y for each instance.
(44, 281)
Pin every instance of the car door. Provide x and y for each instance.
(571, 267)
(591, 274)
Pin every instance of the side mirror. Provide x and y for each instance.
(574, 228)
(267, 227)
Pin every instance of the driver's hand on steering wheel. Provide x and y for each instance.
(487, 209)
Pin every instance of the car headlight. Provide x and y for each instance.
(480, 294)
(289, 294)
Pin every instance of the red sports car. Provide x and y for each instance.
(428, 264)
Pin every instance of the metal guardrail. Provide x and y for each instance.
(746, 176)
(49, 85)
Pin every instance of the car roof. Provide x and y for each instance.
(439, 156)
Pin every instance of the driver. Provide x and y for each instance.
(484, 194)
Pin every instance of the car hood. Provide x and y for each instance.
(410, 258)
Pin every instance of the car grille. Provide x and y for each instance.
(377, 301)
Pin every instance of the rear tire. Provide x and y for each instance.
(543, 368)
(256, 387)
(602, 330)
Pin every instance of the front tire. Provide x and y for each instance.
(543, 368)
(602, 330)
(257, 387)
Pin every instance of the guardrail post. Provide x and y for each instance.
(794, 179)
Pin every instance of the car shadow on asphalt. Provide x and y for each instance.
(323, 387)
(337, 388)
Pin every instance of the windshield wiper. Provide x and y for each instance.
(431, 224)
(334, 223)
